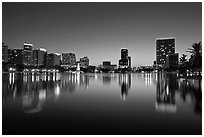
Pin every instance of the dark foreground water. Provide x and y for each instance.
(64, 103)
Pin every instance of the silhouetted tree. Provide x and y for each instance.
(195, 60)
(183, 59)
(184, 65)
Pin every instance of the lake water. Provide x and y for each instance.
(66, 103)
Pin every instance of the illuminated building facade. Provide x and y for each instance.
(125, 60)
(39, 57)
(172, 61)
(53, 60)
(15, 56)
(164, 46)
(106, 65)
(4, 52)
(68, 59)
(84, 62)
(28, 54)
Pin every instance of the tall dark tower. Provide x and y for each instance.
(125, 61)
(164, 47)
(4, 52)
(27, 54)
(124, 53)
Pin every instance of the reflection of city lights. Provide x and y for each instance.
(161, 107)
(42, 94)
(13, 77)
(78, 78)
(148, 78)
(123, 96)
(57, 76)
(57, 90)
(44, 77)
(14, 93)
(48, 77)
(37, 78)
(53, 77)
(25, 77)
(156, 77)
(10, 78)
(32, 76)
(27, 100)
(167, 89)
(96, 77)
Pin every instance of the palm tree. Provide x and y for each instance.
(196, 55)
(183, 66)
(183, 59)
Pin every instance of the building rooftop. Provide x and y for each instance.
(43, 49)
(57, 54)
(165, 38)
(28, 44)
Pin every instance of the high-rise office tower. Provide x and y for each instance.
(68, 59)
(84, 62)
(124, 53)
(53, 59)
(106, 64)
(172, 61)
(164, 46)
(28, 54)
(39, 57)
(4, 52)
(125, 60)
(129, 61)
(15, 56)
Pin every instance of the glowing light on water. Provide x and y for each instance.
(32, 77)
(11, 78)
(54, 77)
(37, 78)
(57, 90)
(42, 94)
(78, 78)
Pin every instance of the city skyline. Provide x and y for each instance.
(102, 29)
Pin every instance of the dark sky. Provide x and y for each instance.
(100, 30)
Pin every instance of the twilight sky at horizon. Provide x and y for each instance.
(100, 30)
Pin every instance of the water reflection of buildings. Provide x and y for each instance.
(125, 83)
(148, 77)
(168, 85)
(165, 93)
(107, 78)
(69, 81)
(192, 88)
(36, 88)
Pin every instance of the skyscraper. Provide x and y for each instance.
(84, 62)
(129, 61)
(124, 53)
(68, 59)
(106, 65)
(164, 46)
(53, 60)
(125, 61)
(125, 83)
(11, 56)
(4, 52)
(172, 61)
(39, 57)
(15, 56)
(28, 54)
